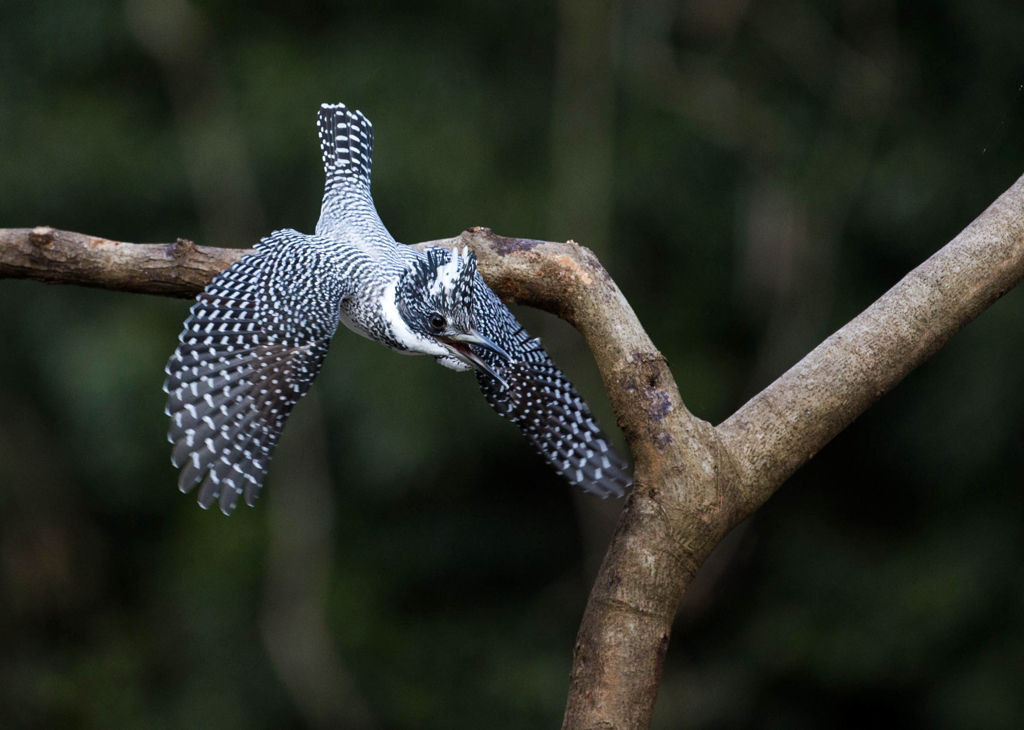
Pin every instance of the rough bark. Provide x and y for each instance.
(179, 269)
(694, 482)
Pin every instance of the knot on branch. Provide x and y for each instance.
(650, 409)
(41, 236)
(645, 382)
(180, 249)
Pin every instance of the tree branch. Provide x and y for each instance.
(694, 482)
(45, 254)
(794, 417)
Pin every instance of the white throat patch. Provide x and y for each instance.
(400, 330)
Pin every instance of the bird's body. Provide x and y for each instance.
(258, 334)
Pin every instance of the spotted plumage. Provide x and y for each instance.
(257, 335)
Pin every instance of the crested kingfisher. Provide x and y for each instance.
(257, 335)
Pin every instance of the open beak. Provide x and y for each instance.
(459, 345)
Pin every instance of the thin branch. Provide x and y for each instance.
(45, 254)
(694, 482)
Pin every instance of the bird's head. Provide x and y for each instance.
(435, 300)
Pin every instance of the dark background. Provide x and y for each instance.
(753, 174)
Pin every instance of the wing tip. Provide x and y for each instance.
(606, 488)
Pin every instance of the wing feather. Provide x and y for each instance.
(253, 344)
(544, 404)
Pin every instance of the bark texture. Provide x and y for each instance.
(693, 481)
(179, 269)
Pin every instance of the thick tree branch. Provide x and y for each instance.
(794, 417)
(693, 481)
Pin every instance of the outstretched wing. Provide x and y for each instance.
(543, 403)
(251, 348)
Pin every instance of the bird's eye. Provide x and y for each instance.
(437, 322)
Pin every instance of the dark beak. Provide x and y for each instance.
(459, 343)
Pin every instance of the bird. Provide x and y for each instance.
(257, 335)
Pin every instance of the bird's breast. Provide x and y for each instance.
(346, 318)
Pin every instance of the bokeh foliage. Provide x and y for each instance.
(771, 168)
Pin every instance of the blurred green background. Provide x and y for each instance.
(753, 174)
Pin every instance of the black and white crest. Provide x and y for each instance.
(439, 283)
